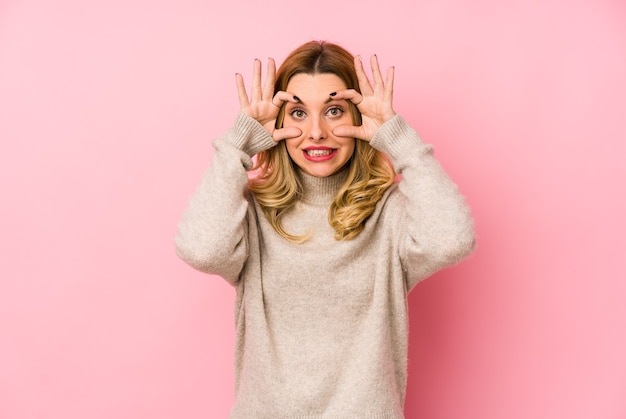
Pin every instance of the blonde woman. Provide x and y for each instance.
(321, 242)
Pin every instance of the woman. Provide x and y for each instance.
(319, 240)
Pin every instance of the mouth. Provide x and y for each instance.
(319, 154)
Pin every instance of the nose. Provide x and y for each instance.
(317, 129)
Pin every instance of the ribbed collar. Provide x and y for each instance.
(321, 190)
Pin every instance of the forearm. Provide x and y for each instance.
(212, 231)
(438, 223)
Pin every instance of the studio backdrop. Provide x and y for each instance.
(107, 113)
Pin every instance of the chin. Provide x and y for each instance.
(318, 172)
(324, 172)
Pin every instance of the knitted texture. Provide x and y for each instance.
(322, 326)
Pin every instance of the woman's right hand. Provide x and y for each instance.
(262, 104)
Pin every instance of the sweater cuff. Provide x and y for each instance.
(249, 136)
(397, 139)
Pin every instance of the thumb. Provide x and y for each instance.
(349, 131)
(286, 133)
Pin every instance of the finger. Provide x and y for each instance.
(255, 92)
(388, 95)
(351, 131)
(286, 133)
(241, 91)
(364, 83)
(348, 94)
(376, 74)
(268, 87)
(281, 97)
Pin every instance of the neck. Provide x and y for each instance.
(321, 190)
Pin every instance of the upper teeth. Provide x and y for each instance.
(318, 152)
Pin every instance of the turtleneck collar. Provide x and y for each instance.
(321, 190)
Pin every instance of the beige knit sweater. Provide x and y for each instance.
(322, 326)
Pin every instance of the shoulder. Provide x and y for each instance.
(391, 205)
(392, 196)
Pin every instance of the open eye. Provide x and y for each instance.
(297, 113)
(334, 112)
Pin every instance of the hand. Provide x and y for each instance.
(263, 105)
(374, 103)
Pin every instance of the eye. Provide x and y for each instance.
(335, 112)
(297, 114)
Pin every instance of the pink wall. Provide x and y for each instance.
(107, 110)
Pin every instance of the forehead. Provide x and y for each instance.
(315, 84)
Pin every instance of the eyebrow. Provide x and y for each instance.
(330, 99)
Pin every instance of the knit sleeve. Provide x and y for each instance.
(436, 228)
(212, 233)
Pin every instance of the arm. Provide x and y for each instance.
(212, 232)
(212, 235)
(437, 225)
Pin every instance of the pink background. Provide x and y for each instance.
(107, 110)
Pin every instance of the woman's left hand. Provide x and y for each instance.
(374, 103)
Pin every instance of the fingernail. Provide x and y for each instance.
(296, 98)
(332, 94)
(360, 58)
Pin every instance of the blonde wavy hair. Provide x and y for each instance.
(276, 185)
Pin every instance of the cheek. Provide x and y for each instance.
(290, 122)
(287, 122)
(347, 118)
(352, 146)
(349, 144)
(292, 146)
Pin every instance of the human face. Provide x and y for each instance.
(317, 151)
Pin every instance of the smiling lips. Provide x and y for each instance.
(319, 153)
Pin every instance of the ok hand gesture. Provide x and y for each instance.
(374, 102)
(263, 105)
